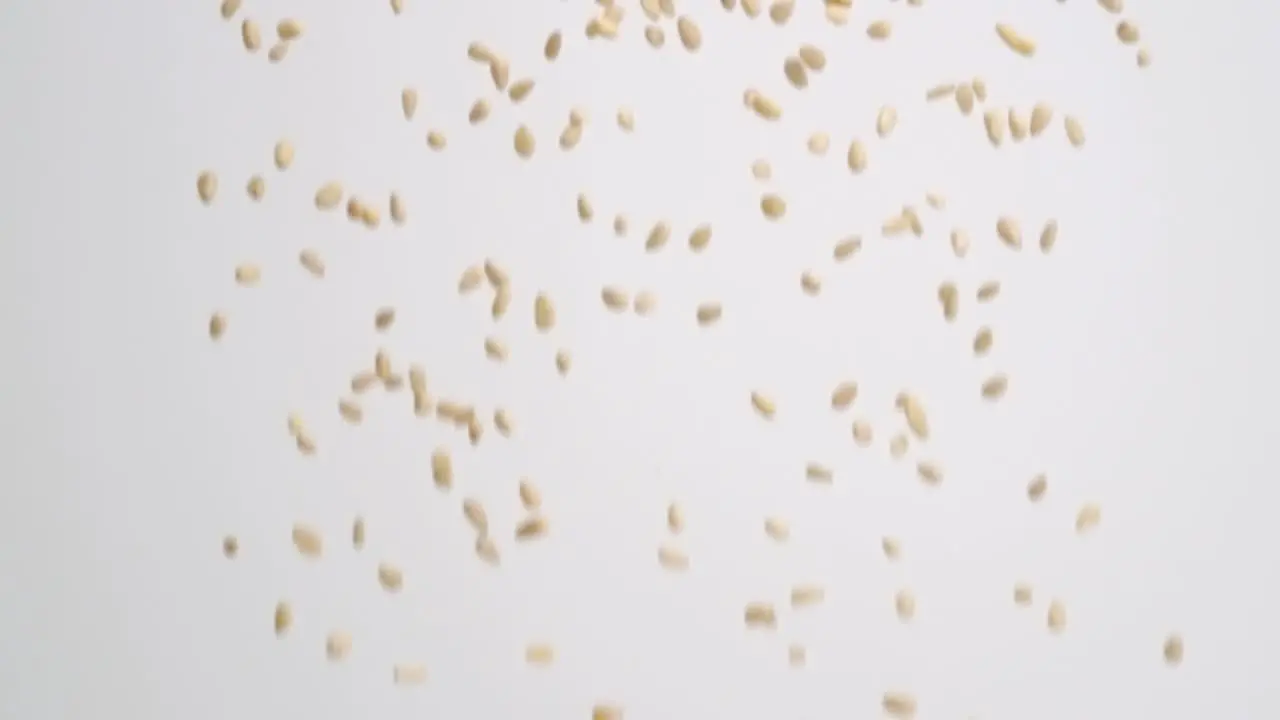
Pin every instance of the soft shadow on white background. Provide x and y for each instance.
(1140, 355)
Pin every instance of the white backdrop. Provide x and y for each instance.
(1140, 365)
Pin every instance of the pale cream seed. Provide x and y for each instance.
(760, 615)
(1041, 117)
(898, 446)
(564, 362)
(1127, 32)
(539, 654)
(1022, 594)
(337, 645)
(1009, 232)
(530, 497)
(796, 656)
(442, 467)
(807, 595)
(672, 558)
(863, 434)
(229, 8)
(524, 142)
(390, 577)
(846, 248)
(551, 48)
(1016, 41)
(929, 472)
(818, 473)
(988, 291)
(658, 236)
(843, 395)
(329, 196)
(615, 299)
(289, 29)
(700, 237)
(626, 119)
(795, 72)
(856, 158)
(248, 275)
(283, 154)
(531, 528)
(256, 188)
(689, 32)
(1173, 650)
(408, 673)
(780, 11)
(544, 313)
(777, 529)
(761, 170)
(810, 283)
(207, 186)
(812, 57)
(307, 540)
(994, 122)
(520, 90)
(959, 243)
(1056, 617)
(495, 349)
(891, 548)
(1018, 125)
(283, 618)
(880, 30)
(818, 143)
(478, 112)
(350, 411)
(644, 303)
(1088, 518)
(899, 705)
(940, 92)
(1037, 487)
(1048, 236)
(886, 121)
(250, 35)
(357, 533)
(763, 405)
(904, 605)
(655, 36)
(982, 341)
(230, 547)
(965, 99)
(675, 518)
(1075, 131)
(994, 387)
(773, 206)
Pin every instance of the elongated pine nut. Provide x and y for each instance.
(307, 540)
(964, 99)
(279, 51)
(1048, 236)
(929, 472)
(760, 615)
(810, 283)
(807, 595)
(442, 469)
(658, 237)
(478, 112)
(1018, 125)
(700, 237)
(283, 154)
(250, 35)
(524, 142)
(1041, 116)
(982, 341)
(1173, 650)
(544, 313)
(531, 528)
(988, 291)
(886, 121)
(229, 8)
(913, 411)
(762, 105)
(1009, 232)
(899, 705)
(1127, 32)
(812, 57)
(794, 70)
(615, 299)
(1016, 41)
(606, 712)
(1075, 131)
(520, 90)
(217, 326)
(626, 119)
(1037, 487)
(1112, 6)
(487, 551)
(880, 30)
(230, 546)
(207, 186)
(689, 32)
(408, 674)
(994, 387)
(846, 248)
(1088, 517)
(891, 548)
(530, 498)
(816, 472)
(551, 48)
(904, 604)
(329, 196)
(283, 618)
(994, 121)
(357, 533)
(1056, 618)
(539, 654)
(949, 297)
(709, 313)
(337, 645)
(655, 36)
(959, 243)
(843, 395)
(408, 102)
(763, 405)
(940, 92)
(672, 558)
(856, 158)
(350, 411)
(397, 6)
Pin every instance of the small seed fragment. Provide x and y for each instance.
(620, 225)
(899, 705)
(988, 291)
(390, 577)
(495, 349)
(672, 558)
(1022, 594)
(818, 473)
(898, 446)
(408, 674)
(207, 186)
(283, 154)
(761, 170)
(564, 362)
(524, 142)
(282, 618)
(843, 395)
(993, 388)
(1088, 517)
(935, 201)
(763, 405)
(689, 32)
(994, 121)
(1041, 116)
(760, 615)
(1048, 236)
(880, 30)
(256, 188)
(1037, 487)
(1075, 131)
(250, 35)
(863, 435)
(530, 497)
(982, 341)
(929, 472)
(796, 655)
(230, 546)
(886, 121)
(891, 548)
(810, 283)
(217, 325)
(807, 595)
(709, 313)
(539, 654)
(307, 540)
(1056, 618)
(777, 529)
(773, 206)
(1009, 231)
(442, 468)
(675, 519)
(470, 279)
(904, 604)
(1016, 41)
(626, 119)
(551, 48)
(384, 318)
(531, 528)
(1143, 58)
(1173, 650)
(357, 533)
(397, 6)
(654, 36)
(857, 157)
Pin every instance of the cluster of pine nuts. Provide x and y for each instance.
(606, 22)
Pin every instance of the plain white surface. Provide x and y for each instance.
(1140, 353)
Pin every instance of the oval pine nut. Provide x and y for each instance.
(898, 446)
(672, 558)
(544, 313)
(1009, 232)
(1056, 617)
(564, 362)
(763, 405)
(773, 206)
(329, 196)
(880, 30)
(761, 170)
(229, 8)
(689, 32)
(793, 69)
(442, 469)
(250, 35)
(530, 498)
(760, 615)
(994, 122)
(964, 99)
(846, 248)
(891, 548)
(994, 387)
(408, 102)
(283, 617)
(390, 577)
(478, 112)
(856, 158)
(520, 90)
(658, 237)
(1088, 517)
(524, 142)
(807, 595)
(551, 48)
(982, 341)
(256, 188)
(615, 299)
(886, 121)
(1022, 594)
(929, 472)
(863, 434)
(899, 705)
(709, 313)
(777, 529)
(675, 519)
(904, 604)
(207, 186)
(812, 57)
(307, 540)
(917, 421)
(843, 395)
(1173, 650)
(818, 473)
(531, 528)
(1037, 487)
(1075, 131)
(818, 143)
(539, 654)
(337, 645)
(1041, 116)
(700, 237)
(289, 29)
(283, 154)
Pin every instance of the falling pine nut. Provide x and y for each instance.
(229, 8)
(626, 119)
(1009, 232)
(780, 11)
(773, 206)
(856, 158)
(207, 186)
(520, 90)
(1041, 116)
(929, 472)
(1088, 517)
(763, 405)
(539, 654)
(256, 188)
(620, 225)
(390, 577)
(795, 72)
(709, 313)
(530, 497)
(384, 318)
(1173, 650)
(289, 29)
(1075, 131)
(818, 473)
(899, 705)
(810, 283)
(812, 57)
(904, 605)
(1056, 617)
(672, 558)
(551, 48)
(807, 595)
(658, 237)
(475, 515)
(606, 712)
(880, 30)
(230, 546)
(655, 36)
(307, 540)
(1112, 6)
(470, 279)
(913, 411)
(763, 105)
(949, 297)
(1048, 236)
(1036, 488)
(531, 528)
(959, 243)
(689, 32)
(337, 645)
(846, 248)
(994, 122)
(500, 73)
(935, 201)
(818, 143)
(700, 237)
(940, 92)
(982, 341)
(644, 303)
(442, 469)
(843, 395)
(1022, 594)
(248, 274)
(964, 99)
(282, 618)
(329, 196)
(524, 142)
(501, 302)
(487, 551)
(1127, 32)
(478, 112)
(283, 154)
(1016, 41)
(278, 52)
(615, 299)
(408, 674)
(544, 313)
(796, 655)
(863, 434)
(1018, 125)
(350, 411)
(675, 519)
(1143, 57)
(777, 529)
(886, 121)
(891, 548)
(357, 533)
(760, 615)
(250, 35)
(898, 445)
(988, 291)
(495, 349)
(994, 387)
(564, 362)
(217, 326)
(436, 140)
(761, 170)
(408, 102)
(397, 6)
